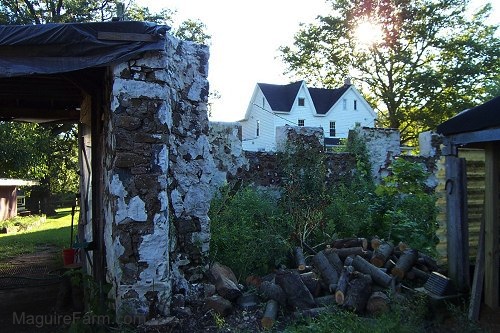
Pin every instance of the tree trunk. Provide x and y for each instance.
(377, 275)
(350, 242)
(270, 314)
(382, 254)
(343, 283)
(327, 272)
(358, 293)
(405, 263)
(377, 303)
(298, 296)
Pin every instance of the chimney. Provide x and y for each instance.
(347, 81)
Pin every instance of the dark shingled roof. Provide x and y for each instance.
(324, 99)
(280, 97)
(483, 116)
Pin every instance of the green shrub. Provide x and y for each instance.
(248, 231)
(405, 211)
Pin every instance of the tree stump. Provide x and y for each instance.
(297, 294)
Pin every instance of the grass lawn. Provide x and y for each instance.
(54, 232)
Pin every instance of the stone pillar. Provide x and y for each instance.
(157, 169)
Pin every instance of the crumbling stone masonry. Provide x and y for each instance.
(157, 172)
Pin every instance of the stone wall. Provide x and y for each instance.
(158, 168)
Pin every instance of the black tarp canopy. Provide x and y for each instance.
(64, 47)
(481, 117)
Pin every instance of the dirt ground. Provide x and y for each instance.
(38, 303)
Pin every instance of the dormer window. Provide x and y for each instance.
(301, 122)
(263, 102)
(355, 104)
(344, 104)
(302, 101)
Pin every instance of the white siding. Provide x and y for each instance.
(344, 118)
(266, 138)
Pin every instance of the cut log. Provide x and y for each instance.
(389, 265)
(427, 261)
(300, 260)
(348, 261)
(350, 242)
(297, 294)
(328, 274)
(270, 314)
(314, 312)
(312, 282)
(402, 246)
(326, 300)
(270, 290)
(405, 262)
(349, 251)
(375, 243)
(377, 275)
(382, 254)
(334, 259)
(358, 293)
(343, 283)
(378, 303)
(416, 273)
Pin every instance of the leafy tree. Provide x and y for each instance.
(24, 150)
(425, 59)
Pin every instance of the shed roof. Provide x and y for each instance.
(65, 47)
(481, 117)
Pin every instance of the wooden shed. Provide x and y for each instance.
(8, 196)
(478, 127)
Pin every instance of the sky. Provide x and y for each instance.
(246, 36)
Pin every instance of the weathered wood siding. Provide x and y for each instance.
(475, 195)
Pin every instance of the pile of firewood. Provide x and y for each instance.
(353, 273)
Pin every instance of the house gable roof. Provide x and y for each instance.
(280, 97)
(324, 99)
(483, 116)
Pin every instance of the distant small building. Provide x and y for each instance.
(8, 196)
(335, 110)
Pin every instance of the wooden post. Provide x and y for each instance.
(456, 210)
(491, 228)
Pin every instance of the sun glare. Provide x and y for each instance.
(368, 33)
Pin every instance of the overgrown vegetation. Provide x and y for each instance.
(252, 232)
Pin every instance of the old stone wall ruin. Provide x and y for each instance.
(163, 163)
(158, 168)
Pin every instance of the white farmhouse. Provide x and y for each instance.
(335, 110)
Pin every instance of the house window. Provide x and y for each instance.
(332, 128)
(257, 128)
(344, 104)
(355, 104)
(301, 101)
(263, 102)
(301, 122)
(357, 124)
